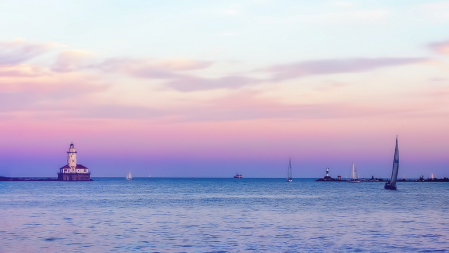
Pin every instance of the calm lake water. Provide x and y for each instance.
(222, 215)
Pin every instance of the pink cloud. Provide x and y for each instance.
(435, 94)
(440, 47)
(64, 97)
(72, 60)
(249, 105)
(246, 105)
(47, 93)
(21, 70)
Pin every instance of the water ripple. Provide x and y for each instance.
(222, 215)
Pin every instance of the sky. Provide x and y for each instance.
(212, 88)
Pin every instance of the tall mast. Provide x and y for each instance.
(290, 168)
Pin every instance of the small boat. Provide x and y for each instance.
(354, 179)
(391, 184)
(289, 172)
(129, 177)
(237, 175)
(149, 176)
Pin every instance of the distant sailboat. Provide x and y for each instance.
(129, 177)
(391, 185)
(289, 172)
(354, 179)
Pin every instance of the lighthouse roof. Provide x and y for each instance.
(78, 166)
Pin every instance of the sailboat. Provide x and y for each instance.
(391, 185)
(289, 173)
(129, 177)
(354, 179)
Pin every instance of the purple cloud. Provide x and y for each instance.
(19, 51)
(191, 83)
(156, 69)
(186, 83)
(335, 66)
(171, 70)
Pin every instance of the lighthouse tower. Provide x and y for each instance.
(71, 158)
(73, 171)
(327, 177)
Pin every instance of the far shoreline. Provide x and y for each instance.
(35, 179)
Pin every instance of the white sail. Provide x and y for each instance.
(354, 172)
(289, 172)
(129, 176)
(394, 173)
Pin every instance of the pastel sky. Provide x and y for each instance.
(211, 88)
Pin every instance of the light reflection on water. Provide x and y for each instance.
(201, 215)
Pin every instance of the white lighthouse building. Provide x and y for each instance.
(73, 171)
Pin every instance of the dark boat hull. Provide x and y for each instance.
(389, 187)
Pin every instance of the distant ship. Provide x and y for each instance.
(355, 178)
(237, 175)
(289, 172)
(391, 185)
(129, 177)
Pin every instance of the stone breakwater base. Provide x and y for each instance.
(35, 179)
(74, 176)
(435, 180)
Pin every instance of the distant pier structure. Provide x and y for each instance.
(73, 171)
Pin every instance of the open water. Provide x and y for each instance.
(222, 215)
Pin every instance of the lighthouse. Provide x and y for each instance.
(327, 177)
(73, 171)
